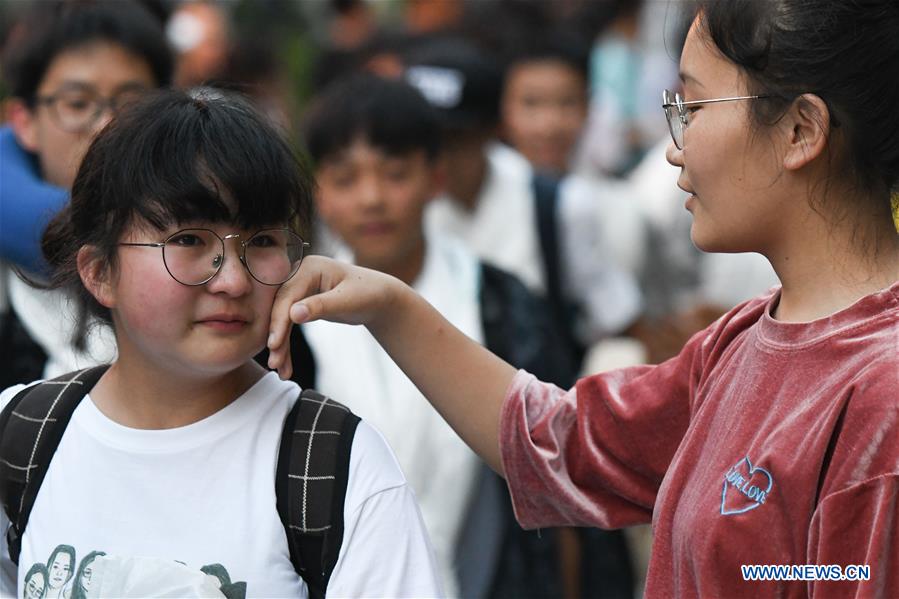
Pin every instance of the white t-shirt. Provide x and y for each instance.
(502, 229)
(440, 467)
(162, 504)
(50, 318)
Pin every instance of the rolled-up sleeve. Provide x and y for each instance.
(595, 455)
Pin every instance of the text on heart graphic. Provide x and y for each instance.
(745, 488)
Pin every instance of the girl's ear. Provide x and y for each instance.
(807, 125)
(95, 275)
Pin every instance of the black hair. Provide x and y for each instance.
(54, 27)
(476, 71)
(844, 51)
(390, 115)
(554, 45)
(174, 157)
(334, 63)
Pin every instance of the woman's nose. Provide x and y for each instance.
(233, 277)
(673, 155)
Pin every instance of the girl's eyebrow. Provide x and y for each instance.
(686, 78)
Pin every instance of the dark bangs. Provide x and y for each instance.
(177, 157)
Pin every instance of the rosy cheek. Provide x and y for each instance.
(152, 314)
(266, 300)
(149, 299)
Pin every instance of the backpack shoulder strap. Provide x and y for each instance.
(519, 328)
(31, 427)
(546, 195)
(311, 483)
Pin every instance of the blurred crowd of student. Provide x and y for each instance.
(503, 157)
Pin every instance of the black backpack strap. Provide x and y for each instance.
(564, 312)
(301, 357)
(31, 427)
(546, 193)
(311, 483)
(520, 329)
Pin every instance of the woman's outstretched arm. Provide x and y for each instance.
(462, 380)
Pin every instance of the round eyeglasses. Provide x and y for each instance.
(678, 112)
(77, 109)
(194, 256)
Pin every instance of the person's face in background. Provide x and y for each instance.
(464, 155)
(375, 202)
(76, 78)
(425, 16)
(200, 34)
(544, 109)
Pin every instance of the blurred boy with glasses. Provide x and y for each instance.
(68, 66)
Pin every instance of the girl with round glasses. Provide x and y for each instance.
(773, 437)
(185, 218)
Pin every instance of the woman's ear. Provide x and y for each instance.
(807, 124)
(95, 275)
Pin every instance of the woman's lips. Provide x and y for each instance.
(225, 322)
(225, 326)
(690, 201)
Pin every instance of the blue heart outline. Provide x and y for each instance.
(752, 471)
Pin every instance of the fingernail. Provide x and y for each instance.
(300, 312)
(271, 339)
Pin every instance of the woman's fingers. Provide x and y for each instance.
(306, 281)
(300, 313)
(329, 290)
(322, 288)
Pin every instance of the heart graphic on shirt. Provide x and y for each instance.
(746, 487)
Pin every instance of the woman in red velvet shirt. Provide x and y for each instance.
(773, 437)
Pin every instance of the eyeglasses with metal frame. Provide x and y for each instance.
(678, 112)
(194, 256)
(77, 108)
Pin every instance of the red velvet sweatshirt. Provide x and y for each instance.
(763, 442)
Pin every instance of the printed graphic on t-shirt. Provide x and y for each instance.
(99, 575)
(746, 487)
(52, 579)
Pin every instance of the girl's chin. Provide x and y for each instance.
(222, 363)
(703, 241)
(710, 242)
